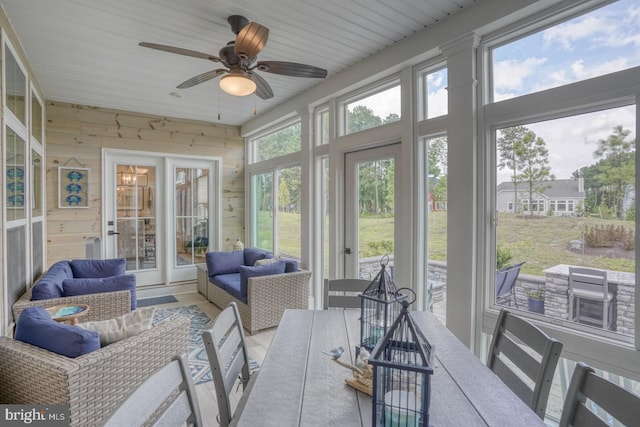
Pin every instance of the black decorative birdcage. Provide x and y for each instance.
(380, 306)
(402, 368)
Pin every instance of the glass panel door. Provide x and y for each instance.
(370, 210)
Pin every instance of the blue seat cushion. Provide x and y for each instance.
(251, 255)
(233, 288)
(225, 280)
(126, 282)
(224, 262)
(50, 284)
(95, 268)
(263, 270)
(36, 327)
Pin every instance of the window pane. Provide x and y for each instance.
(16, 91)
(16, 174)
(372, 111)
(262, 216)
(436, 211)
(36, 167)
(36, 119)
(279, 143)
(566, 197)
(192, 215)
(591, 45)
(435, 94)
(323, 127)
(325, 216)
(289, 221)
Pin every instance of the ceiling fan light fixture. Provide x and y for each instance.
(236, 83)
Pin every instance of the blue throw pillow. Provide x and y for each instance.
(36, 327)
(251, 255)
(126, 282)
(261, 270)
(50, 284)
(290, 266)
(224, 262)
(95, 268)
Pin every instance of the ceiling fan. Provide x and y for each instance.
(239, 57)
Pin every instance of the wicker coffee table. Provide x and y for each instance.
(63, 313)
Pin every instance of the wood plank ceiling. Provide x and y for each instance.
(87, 52)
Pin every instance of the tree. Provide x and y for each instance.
(507, 146)
(361, 118)
(532, 161)
(617, 170)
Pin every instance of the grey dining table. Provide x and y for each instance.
(299, 385)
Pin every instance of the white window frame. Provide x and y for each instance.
(609, 91)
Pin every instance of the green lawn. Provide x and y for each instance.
(542, 242)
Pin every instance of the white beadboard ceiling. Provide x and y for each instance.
(86, 52)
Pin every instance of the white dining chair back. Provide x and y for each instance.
(159, 391)
(227, 352)
(343, 293)
(617, 402)
(517, 342)
(590, 284)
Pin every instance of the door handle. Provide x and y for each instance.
(111, 232)
(347, 251)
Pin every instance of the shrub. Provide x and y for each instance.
(605, 237)
(503, 257)
(378, 248)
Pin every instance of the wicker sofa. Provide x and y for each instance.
(267, 296)
(94, 384)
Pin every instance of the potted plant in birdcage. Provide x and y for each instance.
(535, 299)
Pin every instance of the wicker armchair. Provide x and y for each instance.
(102, 306)
(94, 384)
(267, 297)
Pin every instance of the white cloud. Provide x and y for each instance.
(512, 74)
(566, 34)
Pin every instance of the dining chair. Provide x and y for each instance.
(227, 352)
(158, 392)
(343, 293)
(590, 284)
(505, 284)
(617, 402)
(521, 355)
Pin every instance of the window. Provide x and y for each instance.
(434, 97)
(278, 143)
(16, 182)
(192, 217)
(594, 44)
(15, 93)
(289, 213)
(36, 119)
(372, 110)
(262, 211)
(323, 126)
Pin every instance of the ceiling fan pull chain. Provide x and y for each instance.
(218, 105)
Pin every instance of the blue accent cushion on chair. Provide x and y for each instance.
(97, 268)
(36, 327)
(224, 262)
(50, 285)
(251, 255)
(290, 266)
(126, 282)
(262, 270)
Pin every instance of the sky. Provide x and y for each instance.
(597, 43)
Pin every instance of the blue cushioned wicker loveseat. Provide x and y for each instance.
(261, 286)
(102, 284)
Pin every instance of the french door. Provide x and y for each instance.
(160, 214)
(370, 195)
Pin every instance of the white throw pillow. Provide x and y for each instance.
(266, 261)
(122, 327)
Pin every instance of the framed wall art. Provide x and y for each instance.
(73, 187)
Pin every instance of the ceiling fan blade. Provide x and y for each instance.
(263, 90)
(201, 78)
(251, 40)
(291, 69)
(180, 51)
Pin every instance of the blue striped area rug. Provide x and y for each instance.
(198, 360)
